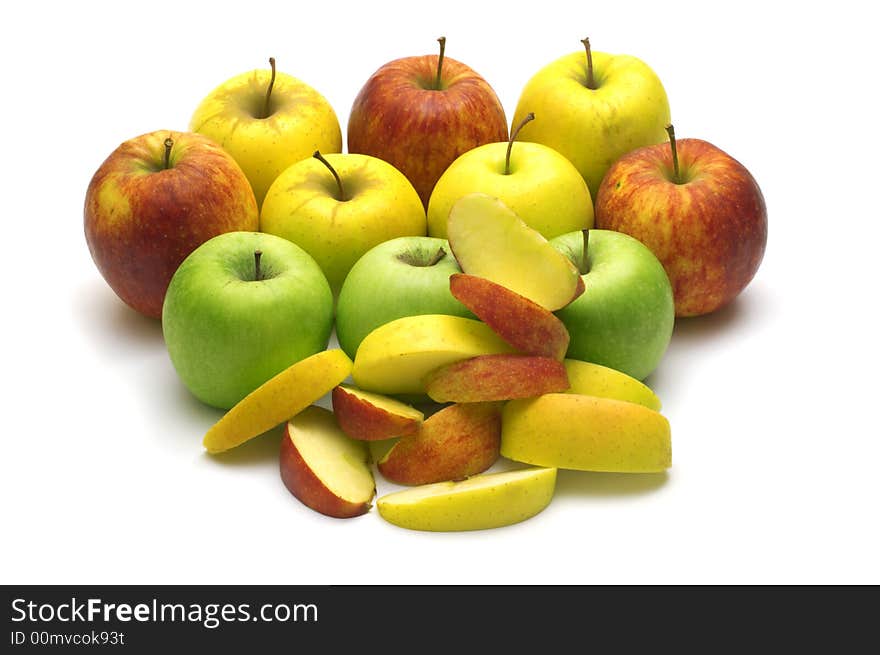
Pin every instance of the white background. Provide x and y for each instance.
(772, 402)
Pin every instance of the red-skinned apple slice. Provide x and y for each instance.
(452, 444)
(496, 377)
(523, 324)
(325, 469)
(489, 240)
(371, 416)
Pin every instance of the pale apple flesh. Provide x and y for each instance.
(395, 358)
(142, 219)
(708, 229)
(454, 443)
(278, 399)
(496, 377)
(588, 379)
(586, 433)
(372, 417)
(397, 116)
(323, 468)
(490, 500)
(491, 241)
(523, 324)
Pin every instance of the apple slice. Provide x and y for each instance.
(394, 358)
(371, 416)
(489, 240)
(278, 399)
(325, 469)
(523, 324)
(496, 377)
(586, 433)
(492, 500)
(588, 379)
(452, 444)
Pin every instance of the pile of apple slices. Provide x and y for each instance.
(509, 389)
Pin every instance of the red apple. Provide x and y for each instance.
(699, 211)
(153, 201)
(420, 113)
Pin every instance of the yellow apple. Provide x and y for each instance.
(395, 358)
(267, 120)
(339, 214)
(490, 500)
(588, 379)
(489, 240)
(279, 399)
(541, 186)
(586, 433)
(594, 107)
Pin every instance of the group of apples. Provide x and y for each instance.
(461, 265)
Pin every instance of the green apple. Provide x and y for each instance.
(241, 308)
(624, 319)
(407, 276)
(338, 207)
(267, 120)
(593, 108)
(541, 186)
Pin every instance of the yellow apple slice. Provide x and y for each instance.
(454, 443)
(523, 324)
(325, 469)
(371, 416)
(491, 500)
(588, 379)
(586, 433)
(394, 358)
(496, 377)
(489, 240)
(278, 399)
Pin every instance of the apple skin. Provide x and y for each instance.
(593, 127)
(226, 333)
(303, 206)
(709, 232)
(301, 121)
(372, 417)
(388, 283)
(397, 116)
(141, 220)
(543, 188)
(625, 317)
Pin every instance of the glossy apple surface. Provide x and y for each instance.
(143, 215)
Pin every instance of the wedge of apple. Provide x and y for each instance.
(372, 416)
(456, 442)
(586, 433)
(490, 241)
(588, 379)
(278, 399)
(496, 377)
(491, 500)
(325, 469)
(523, 324)
(394, 358)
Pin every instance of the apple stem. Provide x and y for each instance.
(317, 155)
(269, 89)
(591, 81)
(585, 262)
(528, 117)
(440, 254)
(442, 42)
(258, 274)
(675, 172)
(169, 143)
